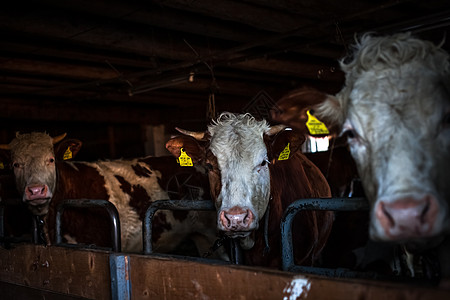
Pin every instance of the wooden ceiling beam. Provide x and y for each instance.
(158, 16)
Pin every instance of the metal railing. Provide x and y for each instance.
(110, 209)
(330, 204)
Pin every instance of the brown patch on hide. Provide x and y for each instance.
(86, 225)
(141, 171)
(139, 199)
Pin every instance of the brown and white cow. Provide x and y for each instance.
(395, 111)
(247, 175)
(44, 181)
(339, 168)
(336, 164)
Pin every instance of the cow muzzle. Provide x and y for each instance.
(407, 218)
(37, 194)
(237, 221)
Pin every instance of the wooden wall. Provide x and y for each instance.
(87, 273)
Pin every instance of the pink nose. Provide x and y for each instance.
(237, 219)
(408, 218)
(36, 192)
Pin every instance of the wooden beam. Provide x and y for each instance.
(159, 16)
(86, 273)
(240, 12)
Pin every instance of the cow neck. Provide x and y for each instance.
(57, 184)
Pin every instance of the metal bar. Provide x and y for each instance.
(120, 277)
(341, 204)
(35, 230)
(169, 205)
(236, 255)
(2, 221)
(110, 208)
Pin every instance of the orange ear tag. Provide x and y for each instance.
(284, 155)
(2, 166)
(68, 154)
(184, 160)
(315, 126)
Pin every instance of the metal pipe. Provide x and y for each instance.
(35, 230)
(169, 205)
(110, 208)
(2, 220)
(341, 204)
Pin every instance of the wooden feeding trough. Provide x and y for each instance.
(37, 272)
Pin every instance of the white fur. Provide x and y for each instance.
(395, 100)
(237, 142)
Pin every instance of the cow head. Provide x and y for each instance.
(292, 108)
(33, 157)
(395, 112)
(237, 150)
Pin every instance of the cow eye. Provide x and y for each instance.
(264, 162)
(349, 133)
(51, 160)
(16, 165)
(209, 167)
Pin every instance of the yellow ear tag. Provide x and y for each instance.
(2, 166)
(184, 159)
(284, 155)
(68, 154)
(315, 126)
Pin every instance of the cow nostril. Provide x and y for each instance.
(388, 215)
(425, 210)
(226, 222)
(248, 217)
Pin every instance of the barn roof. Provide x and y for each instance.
(160, 61)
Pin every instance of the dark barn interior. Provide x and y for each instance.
(120, 74)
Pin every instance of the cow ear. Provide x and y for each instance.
(284, 144)
(331, 113)
(67, 149)
(186, 145)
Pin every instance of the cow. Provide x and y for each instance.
(339, 168)
(336, 164)
(394, 110)
(256, 169)
(44, 180)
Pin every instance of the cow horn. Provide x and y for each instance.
(58, 138)
(198, 135)
(275, 129)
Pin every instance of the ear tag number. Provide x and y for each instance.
(68, 154)
(184, 159)
(315, 126)
(284, 155)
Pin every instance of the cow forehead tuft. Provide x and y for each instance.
(32, 143)
(241, 122)
(237, 135)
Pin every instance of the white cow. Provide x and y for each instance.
(395, 110)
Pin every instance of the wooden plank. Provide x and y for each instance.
(9, 291)
(163, 278)
(86, 273)
(57, 269)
